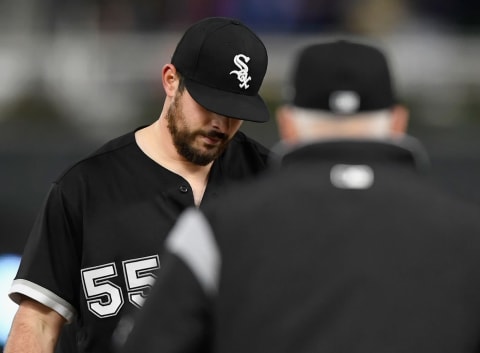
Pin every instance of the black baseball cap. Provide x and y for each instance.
(224, 63)
(342, 77)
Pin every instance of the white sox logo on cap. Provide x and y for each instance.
(223, 64)
(241, 61)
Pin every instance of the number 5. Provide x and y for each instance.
(139, 276)
(104, 298)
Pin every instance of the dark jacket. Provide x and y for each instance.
(345, 248)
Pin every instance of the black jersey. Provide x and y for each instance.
(347, 248)
(94, 248)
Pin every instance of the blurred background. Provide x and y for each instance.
(74, 74)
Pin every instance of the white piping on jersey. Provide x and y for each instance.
(193, 241)
(43, 296)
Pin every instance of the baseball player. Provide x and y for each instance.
(93, 252)
(347, 247)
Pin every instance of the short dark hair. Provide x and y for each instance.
(181, 82)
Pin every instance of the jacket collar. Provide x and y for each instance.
(407, 150)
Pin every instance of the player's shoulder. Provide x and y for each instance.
(243, 157)
(242, 142)
(109, 152)
(243, 147)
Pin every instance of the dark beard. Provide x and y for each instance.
(183, 139)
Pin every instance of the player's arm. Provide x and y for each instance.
(35, 328)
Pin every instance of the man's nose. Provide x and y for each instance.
(220, 122)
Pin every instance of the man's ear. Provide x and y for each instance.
(170, 80)
(286, 126)
(400, 116)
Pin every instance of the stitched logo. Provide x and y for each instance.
(345, 176)
(344, 102)
(241, 61)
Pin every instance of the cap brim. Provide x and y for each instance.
(232, 105)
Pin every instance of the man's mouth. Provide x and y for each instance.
(215, 137)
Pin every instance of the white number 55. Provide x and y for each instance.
(104, 298)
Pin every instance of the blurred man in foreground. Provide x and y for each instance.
(347, 247)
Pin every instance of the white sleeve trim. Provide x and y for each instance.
(193, 241)
(43, 296)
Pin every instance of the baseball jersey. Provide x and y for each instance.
(346, 248)
(93, 252)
